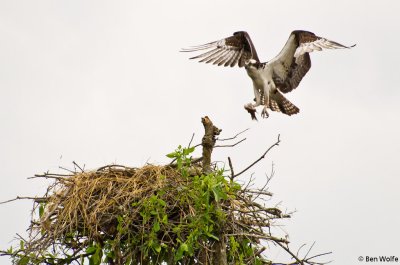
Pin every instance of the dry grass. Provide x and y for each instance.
(91, 201)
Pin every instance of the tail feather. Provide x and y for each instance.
(278, 102)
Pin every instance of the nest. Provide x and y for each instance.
(92, 201)
(150, 211)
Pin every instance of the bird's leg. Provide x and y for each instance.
(264, 112)
(269, 87)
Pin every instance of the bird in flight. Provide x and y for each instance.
(270, 79)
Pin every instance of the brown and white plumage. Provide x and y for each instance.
(282, 74)
(237, 49)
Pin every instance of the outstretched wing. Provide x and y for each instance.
(236, 49)
(293, 62)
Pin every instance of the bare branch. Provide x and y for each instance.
(258, 160)
(275, 239)
(51, 176)
(308, 252)
(36, 199)
(112, 166)
(69, 170)
(231, 167)
(75, 164)
(290, 252)
(191, 139)
(231, 138)
(259, 192)
(231, 145)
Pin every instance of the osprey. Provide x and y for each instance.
(282, 74)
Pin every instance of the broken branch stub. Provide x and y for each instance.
(208, 142)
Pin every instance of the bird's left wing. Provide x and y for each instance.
(293, 62)
(237, 49)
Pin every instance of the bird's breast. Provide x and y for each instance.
(260, 76)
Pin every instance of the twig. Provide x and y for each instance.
(290, 252)
(258, 160)
(308, 260)
(259, 192)
(298, 251)
(69, 170)
(193, 161)
(231, 167)
(111, 166)
(275, 239)
(51, 176)
(36, 199)
(231, 145)
(227, 139)
(308, 252)
(231, 138)
(191, 139)
(258, 253)
(319, 255)
(75, 164)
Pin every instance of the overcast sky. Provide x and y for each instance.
(100, 82)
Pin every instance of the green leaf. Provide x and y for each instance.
(212, 236)
(218, 193)
(172, 155)
(91, 249)
(110, 255)
(23, 261)
(96, 257)
(191, 149)
(165, 219)
(21, 245)
(157, 248)
(162, 202)
(181, 250)
(10, 250)
(184, 247)
(177, 230)
(156, 227)
(41, 209)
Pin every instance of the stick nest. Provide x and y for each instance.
(92, 201)
(152, 214)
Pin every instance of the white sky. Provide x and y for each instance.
(101, 82)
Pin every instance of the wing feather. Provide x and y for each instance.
(317, 44)
(219, 56)
(211, 56)
(205, 54)
(226, 58)
(236, 49)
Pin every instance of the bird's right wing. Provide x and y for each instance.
(237, 49)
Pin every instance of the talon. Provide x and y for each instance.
(250, 109)
(264, 113)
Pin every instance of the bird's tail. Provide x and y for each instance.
(277, 102)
